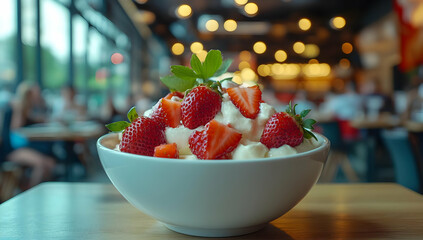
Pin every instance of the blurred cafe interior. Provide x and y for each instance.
(68, 67)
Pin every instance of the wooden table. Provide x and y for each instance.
(97, 211)
(79, 131)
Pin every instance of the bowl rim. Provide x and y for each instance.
(325, 145)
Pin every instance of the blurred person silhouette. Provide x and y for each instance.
(40, 165)
(109, 113)
(29, 106)
(67, 109)
(375, 100)
(344, 106)
(414, 109)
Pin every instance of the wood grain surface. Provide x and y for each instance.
(98, 211)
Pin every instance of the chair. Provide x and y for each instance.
(10, 173)
(338, 158)
(405, 164)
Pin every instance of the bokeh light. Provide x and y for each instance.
(243, 64)
(280, 55)
(337, 22)
(201, 55)
(178, 48)
(298, 47)
(251, 9)
(240, 2)
(304, 24)
(184, 11)
(311, 51)
(196, 47)
(344, 63)
(259, 47)
(212, 25)
(116, 58)
(245, 55)
(347, 48)
(230, 25)
(263, 70)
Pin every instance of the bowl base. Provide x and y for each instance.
(223, 232)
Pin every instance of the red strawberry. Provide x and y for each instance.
(166, 151)
(174, 94)
(168, 113)
(215, 141)
(200, 106)
(142, 136)
(287, 128)
(247, 100)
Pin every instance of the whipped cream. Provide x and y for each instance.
(250, 146)
(251, 129)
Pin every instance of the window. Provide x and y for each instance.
(80, 32)
(29, 39)
(8, 41)
(54, 43)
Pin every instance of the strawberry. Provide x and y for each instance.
(200, 106)
(247, 100)
(174, 94)
(216, 141)
(166, 151)
(287, 128)
(140, 135)
(168, 113)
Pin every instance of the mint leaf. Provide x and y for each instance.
(132, 114)
(177, 84)
(223, 68)
(196, 65)
(308, 135)
(308, 123)
(118, 126)
(212, 63)
(304, 112)
(183, 72)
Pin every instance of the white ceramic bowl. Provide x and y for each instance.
(212, 198)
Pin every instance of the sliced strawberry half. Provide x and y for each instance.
(215, 141)
(168, 112)
(166, 151)
(247, 100)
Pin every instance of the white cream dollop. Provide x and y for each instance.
(252, 150)
(251, 129)
(180, 136)
(284, 150)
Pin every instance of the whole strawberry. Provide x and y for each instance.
(287, 128)
(200, 106)
(140, 136)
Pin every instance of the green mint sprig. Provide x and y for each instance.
(122, 125)
(185, 78)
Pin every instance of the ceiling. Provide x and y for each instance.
(281, 15)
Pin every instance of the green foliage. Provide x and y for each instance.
(185, 78)
(118, 126)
